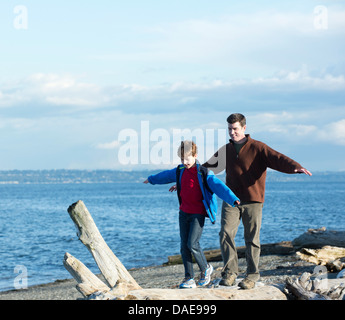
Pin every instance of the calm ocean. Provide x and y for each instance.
(139, 222)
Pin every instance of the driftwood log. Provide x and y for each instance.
(326, 250)
(281, 248)
(331, 257)
(316, 287)
(88, 233)
(313, 238)
(121, 285)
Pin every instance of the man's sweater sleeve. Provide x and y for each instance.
(278, 161)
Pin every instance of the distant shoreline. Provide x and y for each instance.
(71, 176)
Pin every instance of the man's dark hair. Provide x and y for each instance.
(237, 117)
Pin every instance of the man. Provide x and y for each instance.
(245, 161)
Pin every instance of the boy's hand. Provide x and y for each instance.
(237, 203)
(173, 188)
(146, 181)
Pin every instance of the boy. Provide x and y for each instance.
(195, 189)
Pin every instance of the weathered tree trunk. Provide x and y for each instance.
(88, 283)
(306, 288)
(331, 257)
(122, 286)
(283, 248)
(220, 293)
(299, 289)
(88, 233)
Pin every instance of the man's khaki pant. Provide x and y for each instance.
(251, 214)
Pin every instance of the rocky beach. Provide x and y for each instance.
(274, 271)
(279, 262)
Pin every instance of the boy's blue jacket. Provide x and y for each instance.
(210, 187)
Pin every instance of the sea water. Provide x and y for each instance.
(139, 222)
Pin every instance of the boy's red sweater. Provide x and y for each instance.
(191, 196)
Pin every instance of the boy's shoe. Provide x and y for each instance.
(228, 279)
(205, 276)
(188, 283)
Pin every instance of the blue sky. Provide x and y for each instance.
(75, 74)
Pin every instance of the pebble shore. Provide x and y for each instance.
(274, 270)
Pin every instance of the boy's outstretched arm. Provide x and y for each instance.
(222, 190)
(163, 177)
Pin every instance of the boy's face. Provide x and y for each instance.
(188, 161)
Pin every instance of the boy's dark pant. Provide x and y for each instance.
(191, 226)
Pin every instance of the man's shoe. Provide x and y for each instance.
(247, 284)
(205, 276)
(228, 280)
(187, 283)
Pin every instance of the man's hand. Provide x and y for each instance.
(146, 181)
(303, 170)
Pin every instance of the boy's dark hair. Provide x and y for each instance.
(237, 117)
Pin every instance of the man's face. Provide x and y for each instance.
(236, 131)
(189, 161)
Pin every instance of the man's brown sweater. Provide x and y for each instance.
(246, 172)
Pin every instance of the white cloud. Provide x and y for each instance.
(61, 90)
(303, 77)
(50, 89)
(299, 126)
(17, 123)
(187, 100)
(304, 130)
(53, 91)
(334, 132)
(109, 145)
